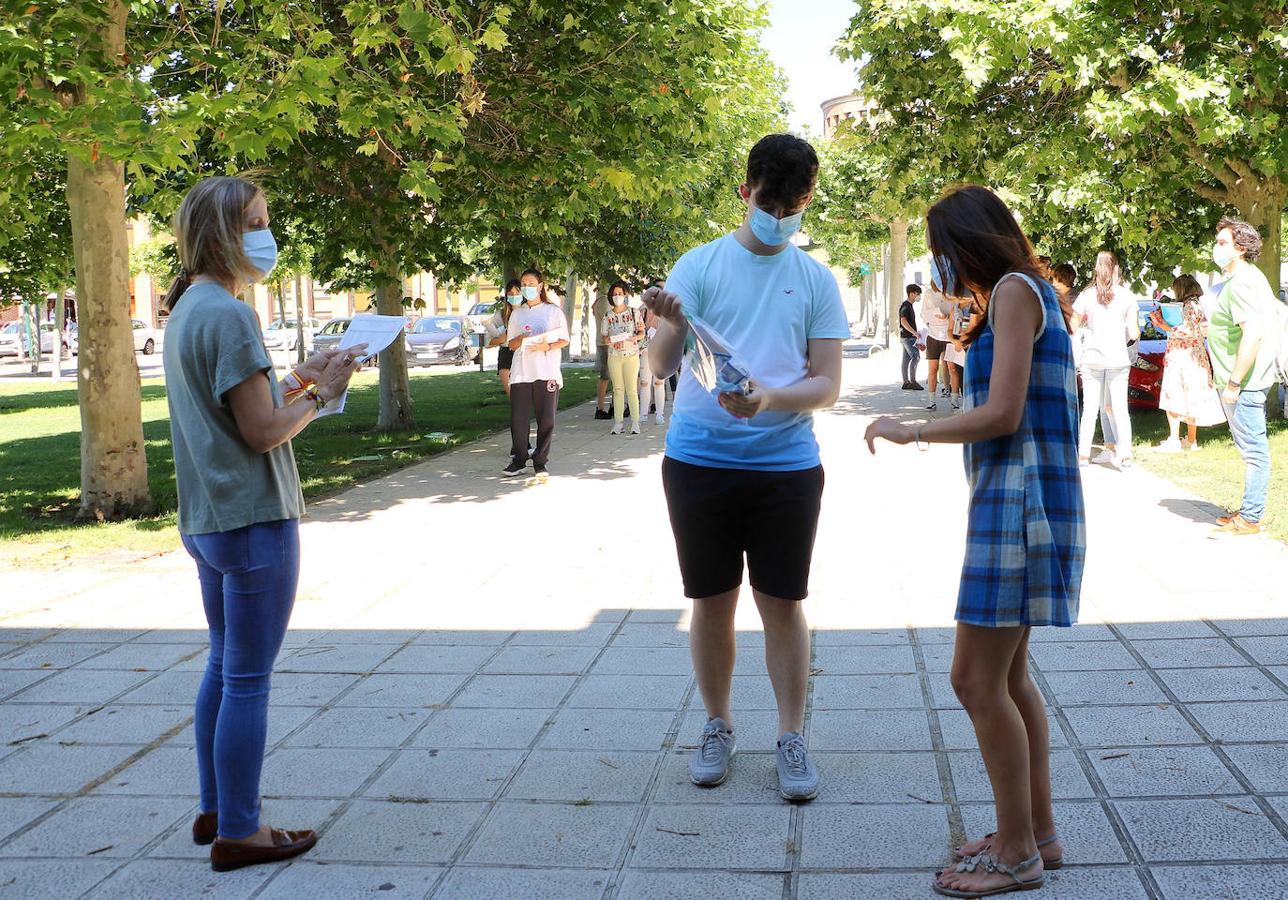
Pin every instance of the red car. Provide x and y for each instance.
(1145, 380)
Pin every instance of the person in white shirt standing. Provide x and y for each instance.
(650, 385)
(938, 312)
(1107, 315)
(538, 331)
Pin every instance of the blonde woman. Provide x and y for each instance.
(1188, 393)
(1106, 316)
(239, 499)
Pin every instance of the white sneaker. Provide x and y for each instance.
(1104, 458)
(933, 405)
(635, 428)
(617, 429)
(957, 401)
(661, 419)
(1170, 446)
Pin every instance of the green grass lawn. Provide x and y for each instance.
(40, 456)
(1215, 471)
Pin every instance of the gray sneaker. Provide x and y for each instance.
(797, 777)
(710, 763)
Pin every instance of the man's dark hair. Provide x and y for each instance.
(912, 289)
(781, 169)
(1246, 237)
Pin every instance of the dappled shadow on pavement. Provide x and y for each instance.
(582, 449)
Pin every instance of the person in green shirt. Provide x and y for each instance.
(1241, 346)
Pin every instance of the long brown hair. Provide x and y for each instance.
(1108, 275)
(971, 228)
(1186, 288)
(208, 234)
(541, 283)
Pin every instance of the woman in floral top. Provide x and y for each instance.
(1188, 394)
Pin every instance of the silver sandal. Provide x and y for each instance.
(991, 863)
(1049, 864)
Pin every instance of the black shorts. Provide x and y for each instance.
(720, 515)
(935, 348)
(504, 359)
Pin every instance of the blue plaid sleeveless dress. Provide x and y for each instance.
(1026, 536)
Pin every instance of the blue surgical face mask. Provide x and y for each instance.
(531, 292)
(944, 263)
(1223, 256)
(261, 249)
(772, 231)
(515, 299)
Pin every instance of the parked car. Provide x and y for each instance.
(441, 339)
(1145, 380)
(285, 334)
(11, 342)
(13, 339)
(328, 337)
(480, 313)
(48, 335)
(145, 337)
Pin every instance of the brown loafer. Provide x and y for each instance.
(226, 856)
(205, 828)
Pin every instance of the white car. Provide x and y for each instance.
(284, 335)
(145, 337)
(11, 342)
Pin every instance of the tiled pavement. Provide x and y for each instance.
(461, 722)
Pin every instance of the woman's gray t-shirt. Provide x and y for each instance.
(212, 344)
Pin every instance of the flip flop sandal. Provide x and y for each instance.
(991, 863)
(1049, 864)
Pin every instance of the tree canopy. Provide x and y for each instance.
(1106, 122)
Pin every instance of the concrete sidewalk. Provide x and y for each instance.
(487, 693)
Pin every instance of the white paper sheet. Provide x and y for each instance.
(547, 338)
(377, 332)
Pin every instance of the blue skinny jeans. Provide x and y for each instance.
(1247, 419)
(248, 580)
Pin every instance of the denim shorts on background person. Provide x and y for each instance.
(720, 515)
(601, 362)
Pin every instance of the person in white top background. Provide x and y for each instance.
(1106, 315)
(538, 331)
(651, 386)
(938, 313)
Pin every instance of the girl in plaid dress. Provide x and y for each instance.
(1025, 530)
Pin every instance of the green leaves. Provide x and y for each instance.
(1110, 123)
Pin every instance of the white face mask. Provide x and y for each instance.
(1223, 256)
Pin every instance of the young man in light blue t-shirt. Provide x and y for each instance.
(742, 473)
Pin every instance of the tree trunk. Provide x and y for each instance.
(395, 385)
(571, 286)
(894, 277)
(1262, 206)
(114, 468)
(299, 321)
(57, 373)
(587, 317)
